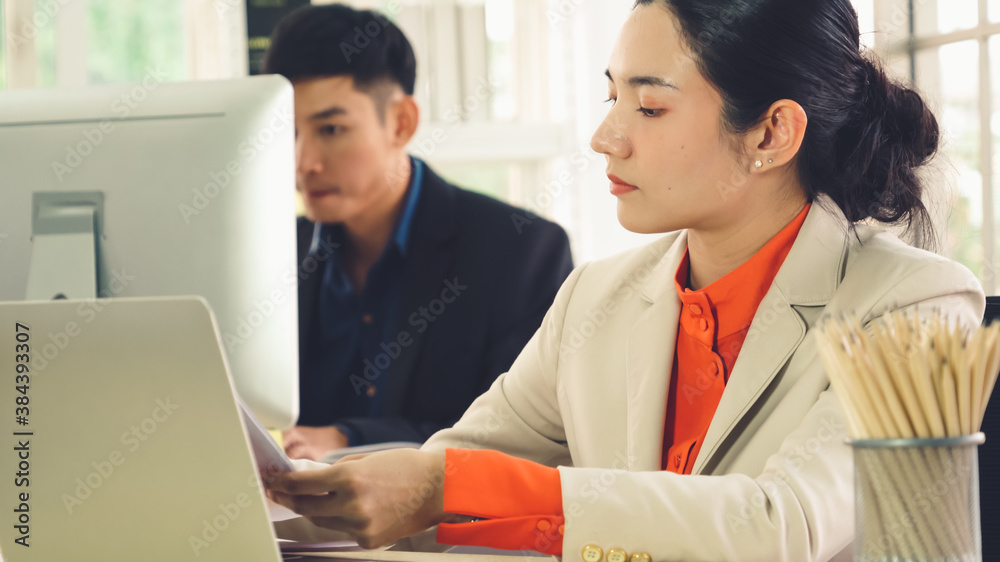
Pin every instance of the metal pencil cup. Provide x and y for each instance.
(917, 500)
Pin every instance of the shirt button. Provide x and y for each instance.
(696, 310)
(592, 553)
(677, 461)
(703, 325)
(562, 529)
(543, 525)
(713, 369)
(367, 318)
(640, 557)
(371, 391)
(617, 555)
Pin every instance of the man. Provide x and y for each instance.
(414, 294)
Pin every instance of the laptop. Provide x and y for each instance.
(123, 437)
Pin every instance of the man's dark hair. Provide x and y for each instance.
(337, 40)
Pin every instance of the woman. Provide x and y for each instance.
(678, 386)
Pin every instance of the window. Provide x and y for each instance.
(52, 43)
(44, 31)
(126, 39)
(866, 21)
(952, 54)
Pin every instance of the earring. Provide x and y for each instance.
(758, 164)
(770, 160)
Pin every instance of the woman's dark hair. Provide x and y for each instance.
(337, 40)
(866, 135)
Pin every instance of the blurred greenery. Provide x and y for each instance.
(126, 38)
(964, 238)
(45, 47)
(963, 241)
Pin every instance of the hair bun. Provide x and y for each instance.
(905, 116)
(891, 134)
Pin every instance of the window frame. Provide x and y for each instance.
(908, 46)
(215, 39)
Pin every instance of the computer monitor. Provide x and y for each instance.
(160, 189)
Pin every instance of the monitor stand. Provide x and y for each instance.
(66, 229)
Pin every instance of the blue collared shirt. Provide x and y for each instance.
(357, 325)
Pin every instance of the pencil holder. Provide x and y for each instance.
(917, 500)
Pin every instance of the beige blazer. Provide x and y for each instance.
(774, 479)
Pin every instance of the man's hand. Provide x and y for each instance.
(312, 443)
(377, 498)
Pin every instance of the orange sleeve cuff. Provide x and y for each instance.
(521, 500)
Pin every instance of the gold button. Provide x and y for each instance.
(367, 318)
(371, 391)
(640, 557)
(592, 553)
(543, 525)
(617, 555)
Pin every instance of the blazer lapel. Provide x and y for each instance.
(649, 361)
(808, 277)
(776, 332)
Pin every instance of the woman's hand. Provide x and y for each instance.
(377, 498)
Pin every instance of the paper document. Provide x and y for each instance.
(270, 457)
(335, 455)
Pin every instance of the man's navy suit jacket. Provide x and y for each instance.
(511, 264)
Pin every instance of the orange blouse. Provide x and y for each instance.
(521, 502)
(713, 324)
